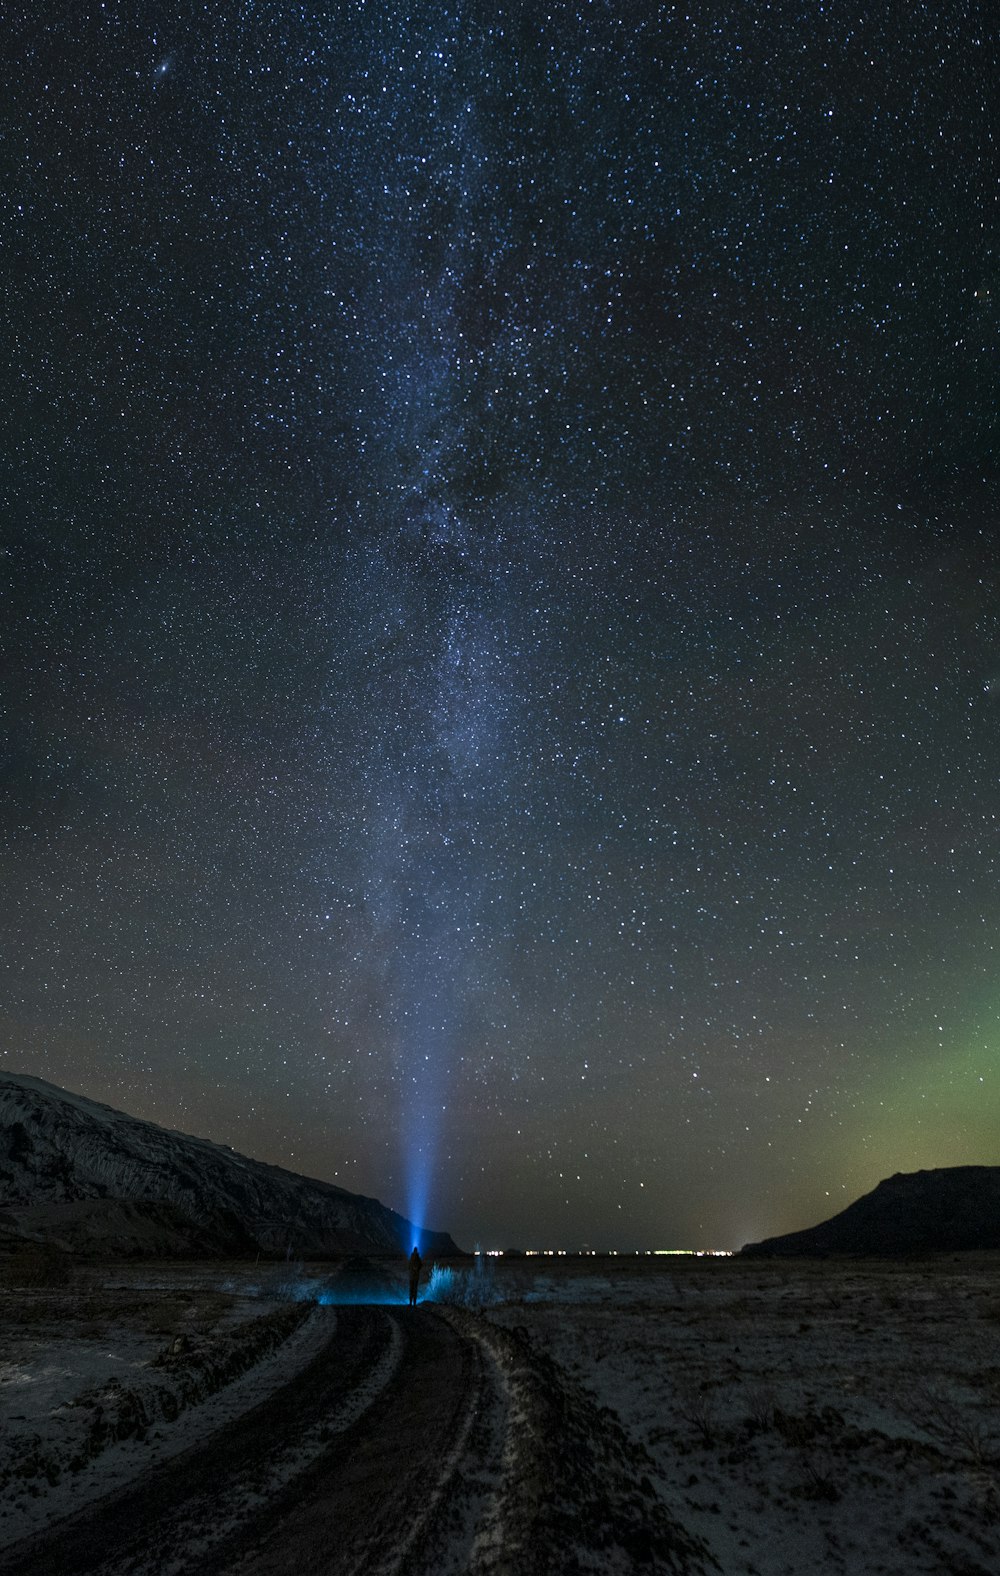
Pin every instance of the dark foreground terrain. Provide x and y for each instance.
(420, 1440)
(389, 1398)
(665, 1415)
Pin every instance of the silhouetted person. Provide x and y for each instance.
(416, 1265)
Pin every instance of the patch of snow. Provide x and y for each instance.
(37, 1387)
(831, 1417)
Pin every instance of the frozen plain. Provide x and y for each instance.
(831, 1416)
(789, 1417)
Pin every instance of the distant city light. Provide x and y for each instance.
(694, 1253)
(609, 1253)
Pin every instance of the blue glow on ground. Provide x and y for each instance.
(331, 1298)
(354, 1286)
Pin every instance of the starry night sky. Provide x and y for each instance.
(502, 599)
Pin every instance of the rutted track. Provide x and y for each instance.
(338, 1471)
(382, 1484)
(414, 1444)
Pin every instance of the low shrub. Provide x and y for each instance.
(473, 1289)
(958, 1427)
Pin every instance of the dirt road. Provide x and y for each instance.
(340, 1471)
(416, 1441)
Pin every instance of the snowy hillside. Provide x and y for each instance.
(92, 1178)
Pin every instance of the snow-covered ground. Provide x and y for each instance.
(91, 1392)
(819, 1417)
(797, 1417)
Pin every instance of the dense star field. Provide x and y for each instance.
(502, 597)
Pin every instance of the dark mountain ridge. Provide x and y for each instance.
(95, 1180)
(951, 1210)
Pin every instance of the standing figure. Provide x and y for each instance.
(416, 1264)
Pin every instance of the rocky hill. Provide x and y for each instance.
(946, 1211)
(94, 1180)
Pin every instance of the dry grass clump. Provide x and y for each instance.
(952, 1425)
(698, 1405)
(472, 1289)
(819, 1474)
(761, 1405)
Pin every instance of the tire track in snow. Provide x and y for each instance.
(171, 1519)
(386, 1481)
